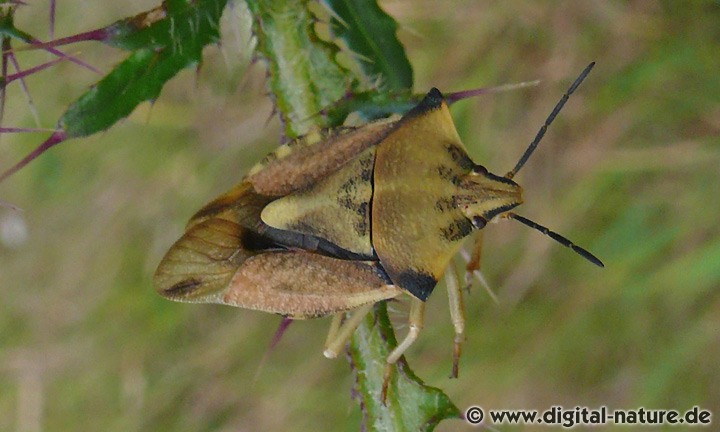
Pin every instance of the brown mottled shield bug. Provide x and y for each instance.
(341, 219)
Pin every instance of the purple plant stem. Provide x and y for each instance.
(51, 23)
(24, 86)
(87, 36)
(56, 138)
(284, 324)
(22, 74)
(3, 75)
(97, 35)
(20, 130)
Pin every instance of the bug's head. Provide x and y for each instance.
(490, 196)
(486, 195)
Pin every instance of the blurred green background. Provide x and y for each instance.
(630, 170)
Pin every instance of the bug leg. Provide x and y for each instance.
(457, 315)
(340, 331)
(473, 262)
(472, 267)
(335, 324)
(415, 321)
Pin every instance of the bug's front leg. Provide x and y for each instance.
(415, 322)
(340, 331)
(473, 262)
(457, 315)
(472, 266)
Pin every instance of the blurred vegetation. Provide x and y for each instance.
(629, 170)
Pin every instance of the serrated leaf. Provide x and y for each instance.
(167, 25)
(372, 35)
(137, 79)
(163, 41)
(173, 42)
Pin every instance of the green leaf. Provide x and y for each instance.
(172, 42)
(372, 35)
(163, 41)
(174, 23)
(411, 405)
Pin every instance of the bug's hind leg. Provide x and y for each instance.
(457, 315)
(415, 321)
(341, 331)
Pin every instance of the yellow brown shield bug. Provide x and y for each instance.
(340, 219)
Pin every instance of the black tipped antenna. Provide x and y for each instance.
(550, 118)
(558, 238)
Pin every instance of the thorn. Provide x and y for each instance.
(54, 139)
(465, 94)
(477, 274)
(25, 88)
(480, 278)
(386, 382)
(22, 74)
(284, 324)
(99, 35)
(51, 23)
(20, 130)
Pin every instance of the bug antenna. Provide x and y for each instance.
(549, 120)
(558, 238)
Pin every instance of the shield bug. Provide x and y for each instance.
(340, 219)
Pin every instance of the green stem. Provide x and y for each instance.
(304, 79)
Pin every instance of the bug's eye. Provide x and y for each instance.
(479, 169)
(479, 222)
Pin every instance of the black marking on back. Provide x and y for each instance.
(347, 196)
(291, 239)
(252, 241)
(445, 204)
(380, 271)
(369, 171)
(432, 101)
(459, 156)
(347, 191)
(362, 226)
(419, 284)
(183, 287)
(447, 173)
(366, 174)
(457, 229)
